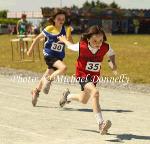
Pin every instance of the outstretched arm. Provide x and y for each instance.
(36, 40)
(112, 61)
(71, 46)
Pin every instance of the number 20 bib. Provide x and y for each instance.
(57, 47)
(93, 66)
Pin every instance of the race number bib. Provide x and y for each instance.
(93, 66)
(57, 47)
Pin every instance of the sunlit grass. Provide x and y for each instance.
(132, 57)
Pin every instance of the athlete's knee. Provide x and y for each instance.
(63, 68)
(95, 93)
(83, 101)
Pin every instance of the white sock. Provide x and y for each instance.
(99, 118)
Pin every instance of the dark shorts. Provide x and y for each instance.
(84, 81)
(50, 62)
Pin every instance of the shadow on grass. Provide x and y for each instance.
(90, 110)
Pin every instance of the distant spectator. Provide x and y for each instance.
(22, 25)
(22, 29)
(136, 24)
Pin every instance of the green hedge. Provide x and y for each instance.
(8, 21)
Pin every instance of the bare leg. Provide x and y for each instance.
(94, 93)
(83, 97)
(61, 69)
(35, 92)
(40, 84)
(91, 91)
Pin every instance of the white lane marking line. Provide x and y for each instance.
(22, 130)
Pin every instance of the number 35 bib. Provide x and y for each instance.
(93, 66)
(57, 47)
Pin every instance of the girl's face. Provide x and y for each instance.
(59, 20)
(96, 40)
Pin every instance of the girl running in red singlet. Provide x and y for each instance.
(92, 49)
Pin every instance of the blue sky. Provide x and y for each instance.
(34, 5)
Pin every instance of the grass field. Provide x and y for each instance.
(132, 57)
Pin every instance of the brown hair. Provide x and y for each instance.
(23, 16)
(55, 13)
(93, 30)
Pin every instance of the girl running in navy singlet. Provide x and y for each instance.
(54, 51)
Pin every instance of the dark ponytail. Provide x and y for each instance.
(51, 21)
(93, 30)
